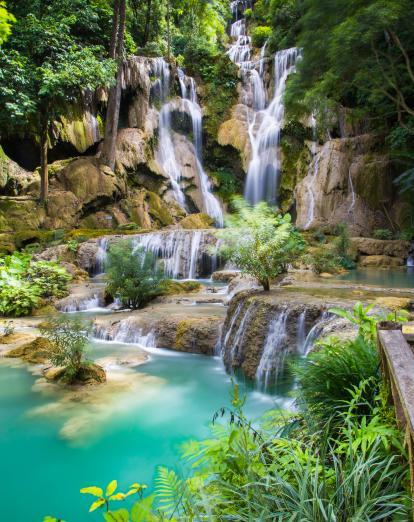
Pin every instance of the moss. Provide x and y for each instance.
(89, 374)
(45, 310)
(35, 352)
(21, 214)
(373, 185)
(294, 167)
(158, 210)
(196, 221)
(170, 287)
(7, 244)
(182, 328)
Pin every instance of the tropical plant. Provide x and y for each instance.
(51, 277)
(132, 275)
(104, 499)
(259, 241)
(17, 296)
(6, 21)
(69, 339)
(260, 34)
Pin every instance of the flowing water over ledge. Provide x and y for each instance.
(129, 426)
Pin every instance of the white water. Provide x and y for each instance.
(100, 258)
(274, 352)
(83, 305)
(189, 94)
(352, 191)
(301, 333)
(264, 129)
(311, 177)
(315, 332)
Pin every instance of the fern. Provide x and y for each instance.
(169, 491)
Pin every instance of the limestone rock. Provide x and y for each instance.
(347, 182)
(225, 276)
(14, 180)
(131, 150)
(20, 213)
(381, 261)
(381, 247)
(88, 375)
(196, 221)
(89, 181)
(34, 352)
(235, 132)
(86, 255)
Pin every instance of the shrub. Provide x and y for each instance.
(69, 339)
(132, 275)
(259, 241)
(260, 34)
(323, 260)
(17, 297)
(407, 234)
(52, 278)
(383, 233)
(342, 247)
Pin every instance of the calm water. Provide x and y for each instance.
(392, 278)
(51, 447)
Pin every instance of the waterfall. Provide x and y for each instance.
(126, 331)
(351, 190)
(100, 257)
(181, 251)
(274, 352)
(301, 332)
(82, 305)
(189, 94)
(315, 332)
(264, 131)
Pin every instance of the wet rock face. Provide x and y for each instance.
(348, 181)
(367, 246)
(246, 328)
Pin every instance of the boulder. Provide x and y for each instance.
(235, 132)
(21, 213)
(348, 181)
(14, 180)
(381, 247)
(225, 276)
(132, 150)
(35, 352)
(88, 375)
(381, 261)
(196, 221)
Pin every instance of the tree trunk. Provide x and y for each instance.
(147, 23)
(114, 99)
(266, 284)
(114, 34)
(44, 168)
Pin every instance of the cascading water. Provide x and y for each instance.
(165, 153)
(189, 94)
(264, 131)
(301, 332)
(100, 257)
(315, 332)
(126, 331)
(274, 352)
(312, 176)
(265, 127)
(83, 305)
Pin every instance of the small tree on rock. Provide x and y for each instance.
(260, 241)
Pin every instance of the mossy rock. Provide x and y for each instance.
(158, 210)
(15, 337)
(170, 287)
(47, 309)
(197, 221)
(7, 244)
(88, 375)
(21, 214)
(36, 352)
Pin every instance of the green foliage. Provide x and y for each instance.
(8, 328)
(110, 495)
(383, 233)
(69, 339)
(6, 21)
(51, 277)
(260, 34)
(23, 282)
(323, 260)
(259, 241)
(228, 185)
(132, 275)
(342, 247)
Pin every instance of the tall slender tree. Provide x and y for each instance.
(114, 99)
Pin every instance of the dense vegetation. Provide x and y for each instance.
(26, 283)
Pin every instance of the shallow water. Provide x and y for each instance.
(391, 278)
(50, 448)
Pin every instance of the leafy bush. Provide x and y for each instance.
(52, 278)
(342, 247)
(383, 233)
(23, 282)
(323, 260)
(132, 275)
(259, 241)
(69, 339)
(407, 234)
(17, 297)
(260, 34)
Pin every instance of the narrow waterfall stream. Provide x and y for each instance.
(312, 176)
(265, 126)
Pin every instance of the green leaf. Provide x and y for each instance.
(98, 503)
(141, 511)
(121, 515)
(92, 490)
(111, 487)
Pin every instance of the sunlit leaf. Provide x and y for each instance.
(111, 487)
(92, 490)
